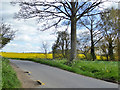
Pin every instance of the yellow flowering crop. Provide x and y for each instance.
(101, 57)
(26, 55)
(81, 56)
(40, 55)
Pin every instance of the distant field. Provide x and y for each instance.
(39, 55)
(26, 55)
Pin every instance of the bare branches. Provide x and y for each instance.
(80, 6)
(61, 10)
(66, 9)
(55, 24)
(89, 9)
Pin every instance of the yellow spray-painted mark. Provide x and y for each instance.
(40, 82)
(43, 83)
(28, 73)
(37, 80)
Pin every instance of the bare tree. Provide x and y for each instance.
(58, 11)
(91, 23)
(118, 31)
(83, 42)
(114, 13)
(62, 44)
(45, 48)
(6, 34)
(110, 31)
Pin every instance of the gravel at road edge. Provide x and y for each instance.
(26, 81)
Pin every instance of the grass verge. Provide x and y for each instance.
(0, 72)
(9, 78)
(103, 70)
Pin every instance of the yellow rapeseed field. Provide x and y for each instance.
(26, 55)
(39, 55)
(81, 56)
(101, 57)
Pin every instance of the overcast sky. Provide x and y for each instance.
(27, 38)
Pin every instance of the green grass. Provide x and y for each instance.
(9, 78)
(104, 70)
(99, 69)
(0, 73)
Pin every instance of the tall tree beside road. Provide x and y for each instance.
(6, 34)
(110, 28)
(91, 23)
(53, 13)
(115, 15)
(119, 35)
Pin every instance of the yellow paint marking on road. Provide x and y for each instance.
(40, 82)
(43, 83)
(28, 73)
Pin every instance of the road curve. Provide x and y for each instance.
(57, 78)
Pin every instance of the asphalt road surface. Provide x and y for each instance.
(57, 78)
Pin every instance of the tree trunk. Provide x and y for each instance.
(53, 53)
(63, 48)
(45, 53)
(110, 49)
(73, 33)
(66, 50)
(119, 34)
(107, 57)
(118, 47)
(73, 39)
(92, 45)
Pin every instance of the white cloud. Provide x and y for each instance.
(109, 4)
(27, 38)
(28, 47)
(23, 38)
(81, 30)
